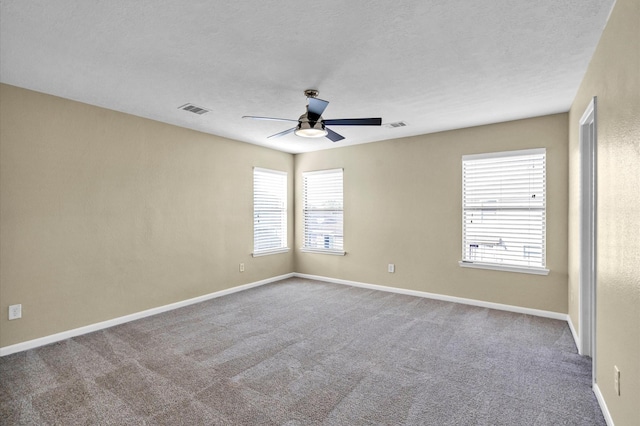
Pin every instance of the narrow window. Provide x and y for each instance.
(504, 210)
(323, 211)
(269, 211)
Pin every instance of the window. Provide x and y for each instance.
(269, 211)
(504, 211)
(323, 211)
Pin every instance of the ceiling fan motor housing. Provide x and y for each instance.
(312, 125)
(310, 129)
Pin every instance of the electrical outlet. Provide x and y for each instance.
(616, 379)
(242, 267)
(391, 268)
(15, 312)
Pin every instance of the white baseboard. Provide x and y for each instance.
(435, 296)
(574, 333)
(30, 344)
(603, 405)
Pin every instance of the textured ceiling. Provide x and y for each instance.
(434, 64)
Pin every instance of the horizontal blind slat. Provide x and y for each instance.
(323, 210)
(269, 209)
(503, 210)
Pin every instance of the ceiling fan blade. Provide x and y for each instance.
(253, 117)
(316, 108)
(335, 137)
(286, 132)
(354, 122)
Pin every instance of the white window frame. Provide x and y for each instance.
(272, 184)
(332, 235)
(468, 260)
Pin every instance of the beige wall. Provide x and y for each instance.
(614, 77)
(403, 205)
(105, 214)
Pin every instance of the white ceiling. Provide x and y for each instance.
(434, 64)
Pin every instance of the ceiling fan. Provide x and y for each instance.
(312, 125)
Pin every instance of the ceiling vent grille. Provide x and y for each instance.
(194, 109)
(395, 124)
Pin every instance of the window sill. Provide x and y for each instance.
(319, 251)
(508, 268)
(268, 252)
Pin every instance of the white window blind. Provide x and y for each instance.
(504, 208)
(269, 211)
(323, 211)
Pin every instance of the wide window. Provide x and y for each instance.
(269, 211)
(323, 211)
(504, 211)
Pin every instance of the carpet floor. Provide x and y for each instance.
(301, 352)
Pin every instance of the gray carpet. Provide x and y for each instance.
(302, 352)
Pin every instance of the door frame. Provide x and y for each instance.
(588, 234)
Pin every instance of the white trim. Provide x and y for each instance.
(322, 172)
(454, 299)
(268, 252)
(533, 151)
(508, 268)
(603, 405)
(320, 251)
(19, 347)
(276, 172)
(30, 344)
(574, 333)
(588, 233)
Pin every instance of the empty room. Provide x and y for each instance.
(338, 213)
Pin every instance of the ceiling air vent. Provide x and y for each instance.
(194, 109)
(396, 124)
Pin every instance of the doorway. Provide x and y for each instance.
(588, 200)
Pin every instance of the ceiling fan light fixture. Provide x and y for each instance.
(312, 125)
(306, 130)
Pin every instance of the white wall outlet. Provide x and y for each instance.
(616, 379)
(15, 312)
(391, 268)
(242, 267)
